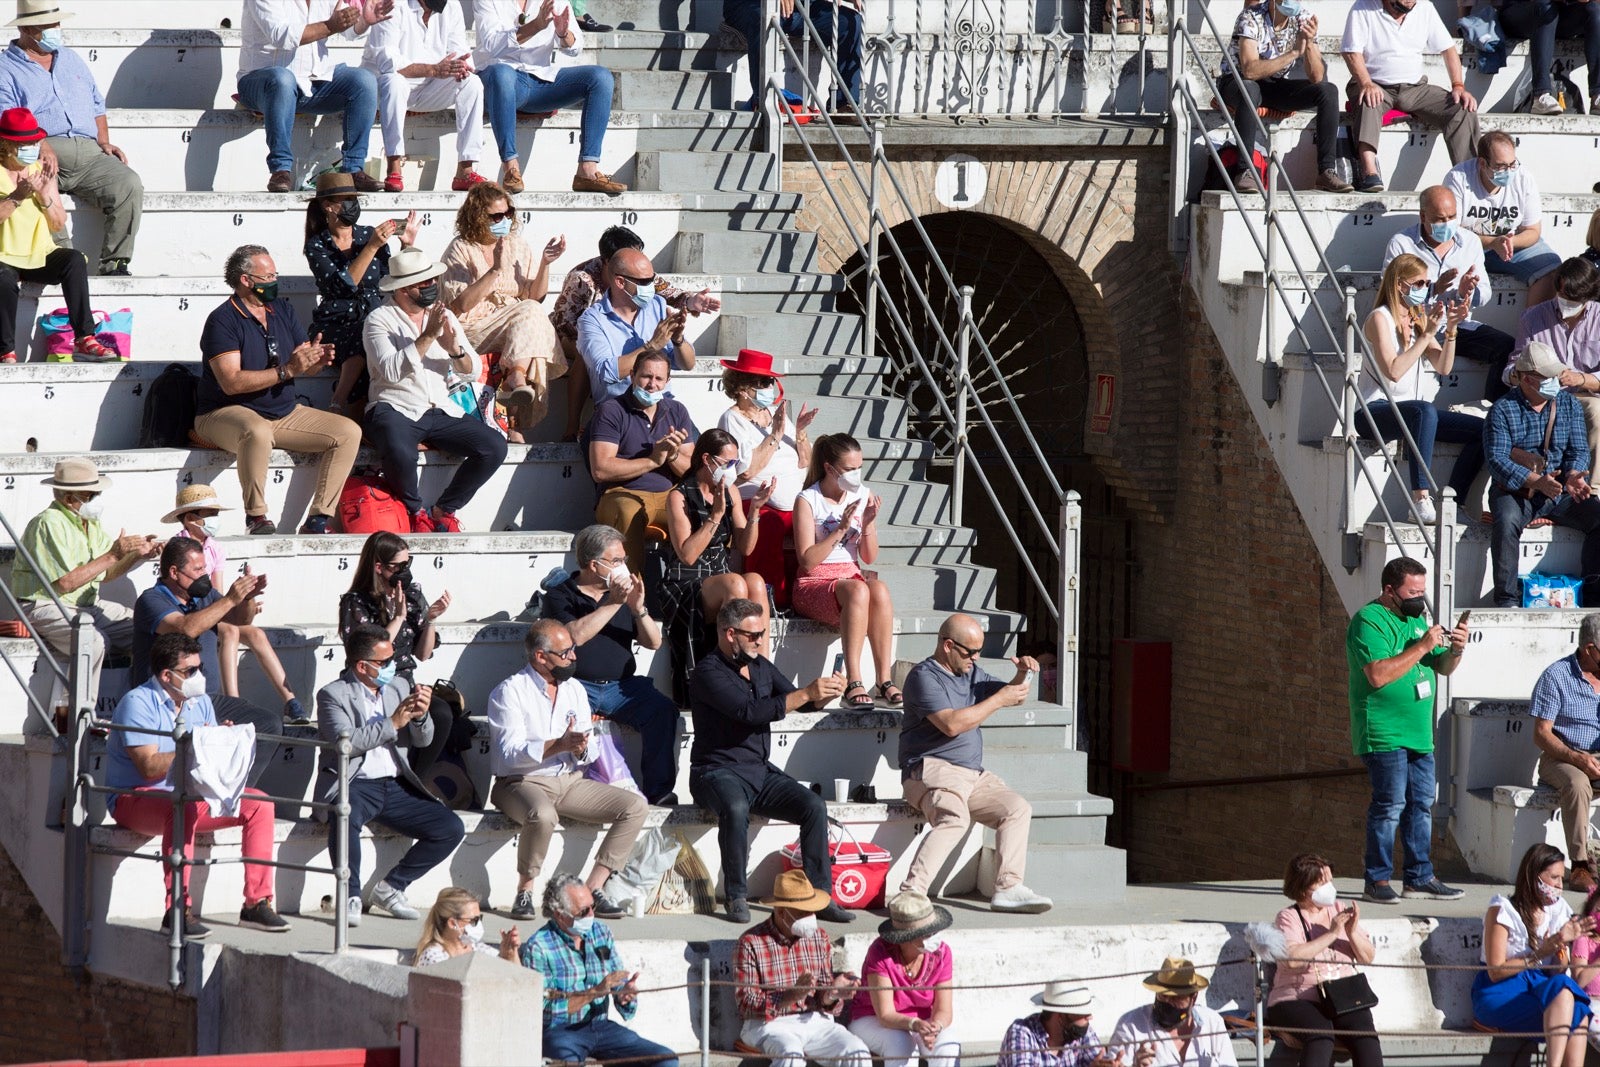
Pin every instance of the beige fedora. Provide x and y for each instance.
(794, 891)
(77, 475)
(1177, 976)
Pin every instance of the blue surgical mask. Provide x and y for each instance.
(582, 926)
(27, 154)
(646, 397)
(1550, 388)
(632, 300)
(50, 40)
(1417, 295)
(766, 397)
(500, 228)
(1501, 178)
(1289, 9)
(1442, 231)
(386, 675)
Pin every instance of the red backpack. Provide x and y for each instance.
(366, 506)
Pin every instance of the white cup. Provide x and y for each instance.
(841, 790)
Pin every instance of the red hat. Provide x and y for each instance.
(18, 124)
(752, 362)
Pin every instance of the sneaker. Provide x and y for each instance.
(835, 914)
(262, 916)
(352, 915)
(738, 910)
(1245, 182)
(1546, 104)
(522, 908)
(600, 183)
(193, 928)
(281, 181)
(421, 521)
(445, 522)
(1426, 513)
(294, 714)
(589, 25)
(1330, 182)
(1380, 893)
(393, 901)
(1019, 898)
(1433, 889)
(259, 526)
(606, 908)
(462, 182)
(317, 524)
(366, 183)
(1369, 183)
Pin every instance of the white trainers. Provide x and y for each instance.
(1546, 104)
(352, 915)
(393, 901)
(1019, 898)
(1425, 510)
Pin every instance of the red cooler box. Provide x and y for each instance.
(859, 871)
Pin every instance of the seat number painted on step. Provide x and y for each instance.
(630, 218)
(438, 563)
(1563, 220)
(1513, 726)
(1504, 298)
(1365, 218)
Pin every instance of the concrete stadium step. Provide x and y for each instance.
(699, 168)
(781, 292)
(785, 251)
(828, 333)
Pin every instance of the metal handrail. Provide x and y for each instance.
(47, 655)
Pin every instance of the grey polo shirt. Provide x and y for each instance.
(930, 689)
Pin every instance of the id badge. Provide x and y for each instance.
(1425, 689)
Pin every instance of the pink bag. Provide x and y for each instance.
(608, 767)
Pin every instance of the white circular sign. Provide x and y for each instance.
(961, 182)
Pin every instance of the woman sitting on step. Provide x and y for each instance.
(454, 927)
(1524, 986)
(835, 531)
(905, 1007)
(1403, 331)
(494, 282)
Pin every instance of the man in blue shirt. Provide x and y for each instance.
(1537, 409)
(630, 319)
(575, 954)
(1566, 729)
(143, 762)
(54, 82)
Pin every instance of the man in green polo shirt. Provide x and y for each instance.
(74, 555)
(1394, 658)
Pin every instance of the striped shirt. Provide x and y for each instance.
(1564, 696)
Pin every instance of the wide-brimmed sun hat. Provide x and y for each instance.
(408, 267)
(751, 361)
(1065, 997)
(194, 498)
(912, 916)
(40, 13)
(794, 891)
(77, 475)
(1177, 975)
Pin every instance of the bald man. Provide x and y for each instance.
(629, 320)
(948, 697)
(1457, 271)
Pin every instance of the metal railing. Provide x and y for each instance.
(1058, 523)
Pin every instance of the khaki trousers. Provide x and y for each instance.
(630, 512)
(251, 438)
(89, 174)
(951, 798)
(536, 801)
(1576, 792)
(1429, 103)
(113, 625)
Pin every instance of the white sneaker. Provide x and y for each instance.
(1425, 511)
(393, 901)
(1546, 104)
(1019, 898)
(353, 912)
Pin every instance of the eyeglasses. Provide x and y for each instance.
(612, 560)
(1492, 165)
(641, 282)
(501, 216)
(380, 663)
(185, 672)
(570, 652)
(970, 653)
(585, 913)
(748, 635)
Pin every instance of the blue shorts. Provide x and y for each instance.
(1527, 264)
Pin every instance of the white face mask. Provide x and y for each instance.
(1324, 895)
(472, 933)
(91, 510)
(194, 685)
(582, 926)
(850, 481)
(724, 475)
(1569, 308)
(805, 926)
(932, 944)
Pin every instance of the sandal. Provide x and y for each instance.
(860, 701)
(890, 694)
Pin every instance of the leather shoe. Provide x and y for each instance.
(835, 914)
(738, 910)
(280, 182)
(600, 183)
(365, 183)
(1580, 878)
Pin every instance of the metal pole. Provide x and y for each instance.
(1272, 372)
(1352, 378)
(705, 1008)
(768, 91)
(75, 817)
(1177, 134)
(177, 909)
(958, 477)
(873, 274)
(1261, 1012)
(1071, 545)
(341, 849)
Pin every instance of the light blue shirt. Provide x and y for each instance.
(148, 707)
(64, 99)
(604, 338)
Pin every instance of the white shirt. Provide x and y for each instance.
(1490, 210)
(784, 466)
(825, 516)
(405, 39)
(522, 718)
(379, 762)
(1209, 1047)
(1418, 383)
(1393, 50)
(496, 24)
(270, 37)
(1555, 916)
(406, 381)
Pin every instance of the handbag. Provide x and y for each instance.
(1341, 996)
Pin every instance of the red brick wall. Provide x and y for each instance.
(50, 1014)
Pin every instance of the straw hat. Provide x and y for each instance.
(794, 891)
(911, 916)
(77, 475)
(194, 498)
(408, 267)
(39, 13)
(1061, 996)
(1177, 975)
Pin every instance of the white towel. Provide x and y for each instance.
(223, 756)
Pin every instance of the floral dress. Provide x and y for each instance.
(343, 304)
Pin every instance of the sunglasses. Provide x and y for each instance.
(501, 216)
(749, 635)
(380, 663)
(182, 673)
(570, 652)
(641, 282)
(970, 653)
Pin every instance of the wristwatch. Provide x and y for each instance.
(283, 374)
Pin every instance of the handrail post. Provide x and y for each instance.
(873, 272)
(1272, 372)
(958, 477)
(70, 810)
(341, 849)
(705, 1008)
(1347, 427)
(1071, 544)
(1177, 132)
(177, 909)
(768, 92)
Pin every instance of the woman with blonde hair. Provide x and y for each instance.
(1410, 351)
(454, 927)
(495, 282)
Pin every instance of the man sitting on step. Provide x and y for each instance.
(735, 695)
(629, 319)
(1566, 728)
(1537, 447)
(1500, 209)
(385, 716)
(948, 697)
(539, 731)
(1457, 272)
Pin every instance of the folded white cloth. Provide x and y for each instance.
(223, 756)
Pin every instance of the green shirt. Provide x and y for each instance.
(1396, 715)
(58, 540)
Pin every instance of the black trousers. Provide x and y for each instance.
(397, 437)
(65, 267)
(1492, 348)
(1284, 94)
(1308, 1015)
(778, 797)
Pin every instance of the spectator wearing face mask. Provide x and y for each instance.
(1061, 1034)
(1500, 204)
(906, 1008)
(1175, 1028)
(420, 361)
(1570, 324)
(630, 320)
(454, 927)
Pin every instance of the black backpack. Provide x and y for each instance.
(169, 408)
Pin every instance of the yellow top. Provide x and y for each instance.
(25, 238)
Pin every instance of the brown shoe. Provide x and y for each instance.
(280, 182)
(511, 178)
(1580, 878)
(365, 183)
(1330, 182)
(600, 183)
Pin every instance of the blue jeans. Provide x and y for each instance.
(507, 90)
(845, 22)
(1511, 514)
(636, 702)
(436, 829)
(1428, 424)
(603, 1040)
(1402, 795)
(745, 16)
(1540, 22)
(1526, 264)
(273, 92)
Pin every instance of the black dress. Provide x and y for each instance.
(343, 304)
(681, 607)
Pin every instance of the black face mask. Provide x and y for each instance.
(350, 211)
(200, 588)
(265, 293)
(427, 296)
(436, 6)
(1168, 1016)
(402, 577)
(563, 671)
(1412, 607)
(1075, 1031)
(743, 658)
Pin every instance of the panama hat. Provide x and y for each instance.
(792, 890)
(39, 13)
(194, 498)
(408, 267)
(77, 475)
(1065, 998)
(912, 915)
(1177, 975)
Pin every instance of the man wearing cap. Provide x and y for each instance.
(629, 320)
(948, 697)
(73, 554)
(787, 993)
(904, 1010)
(1535, 411)
(416, 349)
(41, 74)
(1061, 1034)
(253, 349)
(285, 69)
(1175, 1028)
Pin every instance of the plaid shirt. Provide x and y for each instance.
(767, 965)
(1563, 695)
(1026, 1045)
(582, 288)
(1513, 424)
(568, 969)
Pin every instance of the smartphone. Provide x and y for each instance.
(1465, 615)
(838, 663)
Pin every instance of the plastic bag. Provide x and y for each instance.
(1550, 591)
(606, 764)
(653, 856)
